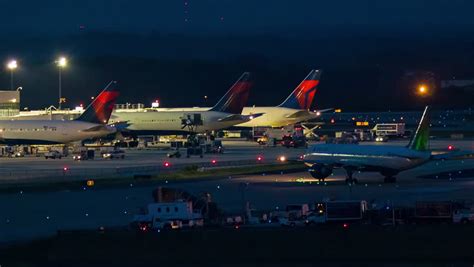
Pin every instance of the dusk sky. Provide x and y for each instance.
(364, 47)
(208, 16)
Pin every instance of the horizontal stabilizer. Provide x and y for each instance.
(301, 114)
(240, 118)
(100, 127)
(120, 125)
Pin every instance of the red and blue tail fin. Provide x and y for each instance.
(101, 108)
(303, 95)
(236, 98)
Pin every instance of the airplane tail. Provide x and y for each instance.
(236, 98)
(100, 109)
(303, 95)
(420, 141)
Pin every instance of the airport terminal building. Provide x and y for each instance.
(9, 103)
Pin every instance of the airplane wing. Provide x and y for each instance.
(240, 117)
(454, 155)
(307, 113)
(300, 114)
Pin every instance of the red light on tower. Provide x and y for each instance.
(450, 147)
(345, 226)
(259, 158)
(65, 169)
(213, 161)
(166, 164)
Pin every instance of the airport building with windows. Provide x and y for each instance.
(9, 103)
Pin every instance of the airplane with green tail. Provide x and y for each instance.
(387, 160)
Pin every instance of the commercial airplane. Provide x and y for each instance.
(226, 113)
(90, 124)
(293, 110)
(388, 160)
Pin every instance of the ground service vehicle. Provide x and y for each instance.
(169, 215)
(53, 154)
(294, 141)
(115, 154)
(337, 211)
(83, 155)
(441, 211)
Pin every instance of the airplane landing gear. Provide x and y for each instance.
(350, 180)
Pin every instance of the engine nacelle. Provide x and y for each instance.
(320, 171)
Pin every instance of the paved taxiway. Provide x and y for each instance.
(151, 161)
(26, 215)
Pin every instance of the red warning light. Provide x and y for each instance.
(259, 158)
(345, 226)
(333, 121)
(213, 161)
(166, 164)
(65, 169)
(450, 147)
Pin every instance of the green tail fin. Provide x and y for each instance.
(420, 141)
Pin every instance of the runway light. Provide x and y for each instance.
(282, 158)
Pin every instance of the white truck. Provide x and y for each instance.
(337, 211)
(168, 215)
(294, 215)
(389, 129)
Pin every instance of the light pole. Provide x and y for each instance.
(61, 62)
(12, 65)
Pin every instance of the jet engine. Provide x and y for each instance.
(319, 171)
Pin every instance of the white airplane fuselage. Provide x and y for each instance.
(170, 121)
(50, 131)
(366, 157)
(272, 116)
